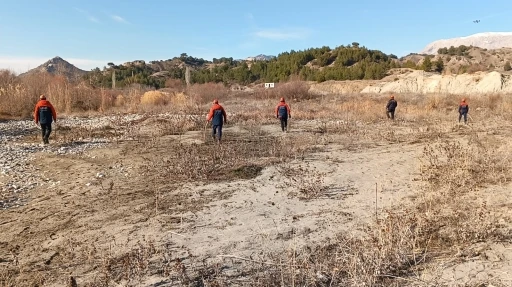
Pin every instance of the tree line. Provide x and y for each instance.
(349, 62)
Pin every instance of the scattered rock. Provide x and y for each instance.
(17, 176)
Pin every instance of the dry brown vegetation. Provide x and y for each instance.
(401, 247)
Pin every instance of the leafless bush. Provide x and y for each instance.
(175, 85)
(179, 124)
(235, 158)
(128, 268)
(291, 91)
(462, 168)
(206, 93)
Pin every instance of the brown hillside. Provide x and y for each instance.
(476, 59)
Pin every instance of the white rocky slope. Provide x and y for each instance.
(421, 82)
(488, 40)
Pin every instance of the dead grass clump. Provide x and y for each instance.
(153, 98)
(202, 162)
(129, 268)
(178, 124)
(119, 101)
(462, 168)
(441, 102)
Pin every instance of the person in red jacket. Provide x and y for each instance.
(463, 111)
(218, 117)
(44, 114)
(283, 113)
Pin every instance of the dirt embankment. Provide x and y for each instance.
(420, 82)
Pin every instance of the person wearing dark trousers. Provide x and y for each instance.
(218, 117)
(390, 107)
(463, 111)
(45, 115)
(283, 113)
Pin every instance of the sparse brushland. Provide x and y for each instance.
(133, 192)
(346, 198)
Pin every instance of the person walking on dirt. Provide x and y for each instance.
(390, 107)
(218, 117)
(463, 111)
(44, 114)
(283, 113)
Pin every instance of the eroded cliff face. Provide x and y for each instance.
(426, 83)
(420, 82)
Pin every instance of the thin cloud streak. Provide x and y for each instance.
(88, 15)
(119, 19)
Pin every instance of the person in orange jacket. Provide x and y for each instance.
(463, 111)
(44, 114)
(218, 117)
(283, 113)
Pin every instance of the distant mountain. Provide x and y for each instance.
(488, 40)
(260, 57)
(58, 66)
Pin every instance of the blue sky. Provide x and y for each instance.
(91, 33)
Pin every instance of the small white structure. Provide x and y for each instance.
(269, 85)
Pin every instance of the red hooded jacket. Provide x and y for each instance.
(44, 112)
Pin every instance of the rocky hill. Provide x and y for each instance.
(465, 59)
(58, 66)
(488, 40)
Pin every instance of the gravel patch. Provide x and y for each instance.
(18, 176)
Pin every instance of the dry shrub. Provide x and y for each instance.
(465, 168)
(175, 85)
(199, 162)
(153, 98)
(119, 101)
(397, 247)
(206, 93)
(179, 101)
(108, 99)
(441, 102)
(473, 68)
(179, 124)
(81, 99)
(130, 267)
(295, 90)
(494, 101)
(291, 91)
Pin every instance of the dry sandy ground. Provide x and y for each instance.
(105, 205)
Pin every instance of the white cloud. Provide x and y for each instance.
(88, 15)
(119, 19)
(23, 64)
(283, 34)
(93, 19)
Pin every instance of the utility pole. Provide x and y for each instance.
(113, 79)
